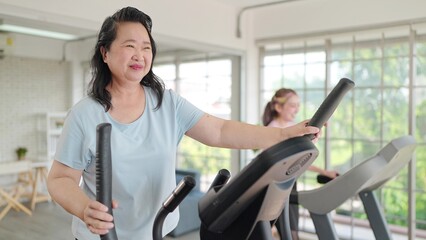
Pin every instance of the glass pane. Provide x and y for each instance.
(194, 155)
(340, 155)
(294, 76)
(170, 84)
(165, 72)
(315, 75)
(420, 114)
(395, 206)
(272, 78)
(353, 210)
(367, 73)
(191, 154)
(364, 150)
(420, 71)
(218, 97)
(208, 85)
(339, 53)
(275, 60)
(338, 70)
(421, 210)
(194, 89)
(219, 67)
(396, 49)
(400, 181)
(395, 113)
(312, 100)
(320, 161)
(212, 95)
(193, 69)
(421, 168)
(367, 51)
(367, 113)
(297, 58)
(315, 57)
(421, 49)
(340, 123)
(395, 72)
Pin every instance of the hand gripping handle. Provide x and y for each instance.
(104, 172)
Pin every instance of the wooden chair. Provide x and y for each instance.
(40, 177)
(11, 193)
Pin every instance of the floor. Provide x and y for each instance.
(39, 226)
(19, 226)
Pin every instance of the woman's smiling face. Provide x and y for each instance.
(289, 109)
(130, 55)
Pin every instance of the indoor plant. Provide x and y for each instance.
(21, 152)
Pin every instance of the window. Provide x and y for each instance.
(389, 100)
(206, 83)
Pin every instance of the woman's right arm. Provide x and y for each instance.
(63, 186)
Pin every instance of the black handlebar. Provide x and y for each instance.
(181, 191)
(104, 172)
(221, 179)
(330, 103)
(104, 184)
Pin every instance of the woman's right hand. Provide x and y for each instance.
(97, 218)
(301, 129)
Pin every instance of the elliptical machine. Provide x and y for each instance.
(244, 207)
(247, 206)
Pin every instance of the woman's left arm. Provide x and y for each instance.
(217, 132)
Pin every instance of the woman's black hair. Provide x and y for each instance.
(101, 74)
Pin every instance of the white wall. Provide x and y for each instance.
(28, 86)
(207, 22)
(33, 47)
(307, 16)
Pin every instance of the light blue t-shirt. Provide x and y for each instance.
(143, 160)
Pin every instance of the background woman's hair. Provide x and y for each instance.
(101, 74)
(269, 113)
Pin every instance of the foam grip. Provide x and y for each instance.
(324, 179)
(330, 103)
(104, 172)
(221, 179)
(181, 191)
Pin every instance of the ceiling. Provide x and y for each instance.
(84, 33)
(250, 3)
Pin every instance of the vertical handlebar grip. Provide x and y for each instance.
(104, 172)
(327, 107)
